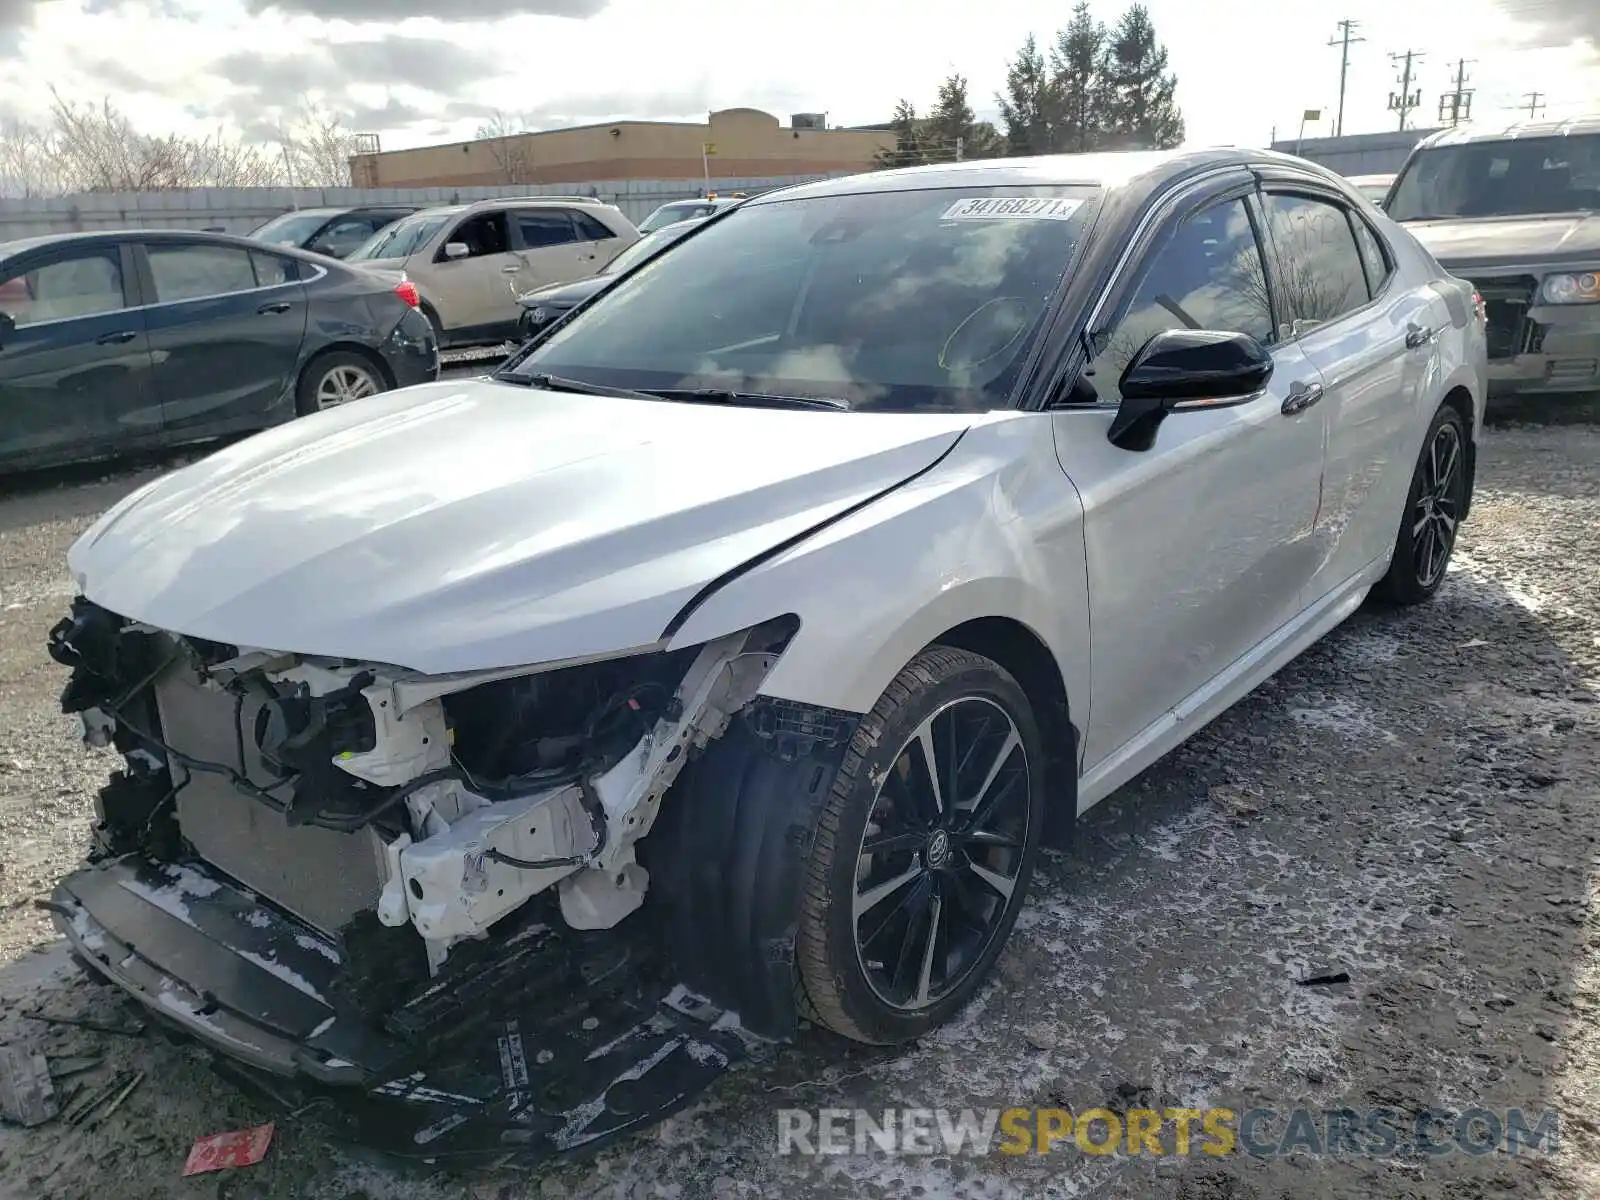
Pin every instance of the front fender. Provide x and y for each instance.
(995, 530)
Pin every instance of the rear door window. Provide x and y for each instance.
(192, 272)
(590, 229)
(273, 271)
(1317, 268)
(80, 284)
(1373, 255)
(541, 228)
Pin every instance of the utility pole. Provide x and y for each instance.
(1456, 107)
(1534, 101)
(1405, 100)
(1347, 35)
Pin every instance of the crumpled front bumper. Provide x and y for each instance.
(542, 1050)
(1558, 352)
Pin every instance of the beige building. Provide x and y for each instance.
(738, 143)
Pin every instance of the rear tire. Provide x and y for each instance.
(1434, 505)
(336, 378)
(912, 889)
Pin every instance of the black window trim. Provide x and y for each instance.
(1309, 188)
(1379, 289)
(61, 252)
(1161, 222)
(141, 252)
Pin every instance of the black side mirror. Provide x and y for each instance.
(8, 326)
(1184, 370)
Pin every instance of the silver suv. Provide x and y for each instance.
(470, 262)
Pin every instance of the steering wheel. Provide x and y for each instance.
(986, 333)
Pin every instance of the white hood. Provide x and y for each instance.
(467, 525)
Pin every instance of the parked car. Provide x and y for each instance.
(739, 643)
(470, 262)
(687, 210)
(1517, 211)
(1373, 187)
(116, 342)
(543, 305)
(334, 232)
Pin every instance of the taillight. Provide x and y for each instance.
(1479, 307)
(407, 291)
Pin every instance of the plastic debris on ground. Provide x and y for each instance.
(220, 1151)
(27, 1096)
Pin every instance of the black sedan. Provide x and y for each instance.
(334, 232)
(543, 305)
(117, 342)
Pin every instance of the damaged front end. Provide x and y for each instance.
(424, 896)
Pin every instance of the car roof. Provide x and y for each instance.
(1463, 135)
(101, 236)
(1109, 170)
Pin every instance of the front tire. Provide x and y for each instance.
(917, 875)
(1434, 505)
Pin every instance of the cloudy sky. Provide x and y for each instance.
(419, 71)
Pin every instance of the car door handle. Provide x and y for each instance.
(1301, 397)
(1416, 336)
(276, 307)
(120, 338)
(510, 268)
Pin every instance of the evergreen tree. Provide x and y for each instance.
(908, 139)
(1140, 109)
(1029, 102)
(951, 130)
(1078, 76)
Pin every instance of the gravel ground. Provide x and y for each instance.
(1411, 802)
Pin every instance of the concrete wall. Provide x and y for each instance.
(746, 141)
(1357, 153)
(239, 210)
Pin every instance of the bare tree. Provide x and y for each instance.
(28, 165)
(96, 148)
(507, 146)
(317, 148)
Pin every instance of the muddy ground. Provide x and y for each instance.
(1413, 802)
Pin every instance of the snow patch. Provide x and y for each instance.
(293, 978)
(1344, 718)
(307, 942)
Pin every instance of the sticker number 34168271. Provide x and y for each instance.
(1031, 208)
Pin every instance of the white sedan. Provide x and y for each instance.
(508, 756)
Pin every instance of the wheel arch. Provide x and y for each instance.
(367, 353)
(1030, 661)
(1459, 397)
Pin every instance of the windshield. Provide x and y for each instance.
(1512, 178)
(291, 229)
(647, 247)
(402, 239)
(669, 214)
(899, 301)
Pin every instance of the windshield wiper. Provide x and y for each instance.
(559, 383)
(754, 399)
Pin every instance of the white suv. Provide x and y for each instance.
(470, 262)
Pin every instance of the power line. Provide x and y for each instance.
(1456, 107)
(1346, 36)
(1534, 101)
(1405, 99)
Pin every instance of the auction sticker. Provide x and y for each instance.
(1028, 208)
